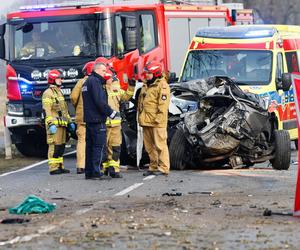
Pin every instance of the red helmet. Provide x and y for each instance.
(88, 68)
(154, 68)
(53, 75)
(101, 60)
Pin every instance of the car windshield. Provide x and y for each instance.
(249, 67)
(45, 40)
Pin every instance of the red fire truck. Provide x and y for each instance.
(64, 36)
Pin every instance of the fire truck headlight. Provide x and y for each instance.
(36, 75)
(15, 109)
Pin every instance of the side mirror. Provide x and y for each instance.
(2, 48)
(130, 34)
(233, 15)
(2, 30)
(172, 77)
(285, 83)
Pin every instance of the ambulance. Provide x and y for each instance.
(259, 58)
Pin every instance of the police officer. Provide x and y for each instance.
(114, 136)
(96, 110)
(57, 120)
(153, 105)
(76, 99)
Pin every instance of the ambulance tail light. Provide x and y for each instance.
(13, 90)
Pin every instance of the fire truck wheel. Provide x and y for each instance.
(282, 150)
(32, 149)
(177, 151)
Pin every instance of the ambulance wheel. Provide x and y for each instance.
(177, 150)
(32, 148)
(282, 158)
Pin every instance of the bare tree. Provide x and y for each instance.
(275, 11)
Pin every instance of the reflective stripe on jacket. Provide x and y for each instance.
(55, 107)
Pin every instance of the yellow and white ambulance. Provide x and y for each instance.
(256, 57)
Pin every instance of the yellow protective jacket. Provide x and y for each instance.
(116, 95)
(55, 107)
(76, 99)
(153, 104)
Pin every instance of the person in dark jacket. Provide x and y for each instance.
(96, 110)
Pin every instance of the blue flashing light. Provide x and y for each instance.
(236, 32)
(24, 86)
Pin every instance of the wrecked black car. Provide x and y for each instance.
(228, 128)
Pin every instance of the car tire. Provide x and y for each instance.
(32, 149)
(282, 150)
(178, 150)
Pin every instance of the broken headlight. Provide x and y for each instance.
(184, 105)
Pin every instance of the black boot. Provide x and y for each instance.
(116, 175)
(80, 170)
(149, 173)
(55, 172)
(64, 171)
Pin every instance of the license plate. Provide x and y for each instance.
(66, 91)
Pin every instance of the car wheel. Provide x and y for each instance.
(178, 150)
(32, 148)
(282, 158)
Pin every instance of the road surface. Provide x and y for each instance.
(208, 209)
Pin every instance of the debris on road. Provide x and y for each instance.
(32, 204)
(268, 212)
(216, 203)
(172, 194)
(14, 221)
(203, 192)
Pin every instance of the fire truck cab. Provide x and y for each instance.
(64, 36)
(258, 57)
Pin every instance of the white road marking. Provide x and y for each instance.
(31, 166)
(129, 189)
(149, 177)
(29, 237)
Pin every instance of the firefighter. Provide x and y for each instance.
(153, 106)
(76, 99)
(36, 48)
(57, 121)
(96, 111)
(114, 136)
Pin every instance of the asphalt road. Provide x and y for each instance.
(212, 209)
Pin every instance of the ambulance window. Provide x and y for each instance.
(279, 69)
(147, 29)
(292, 61)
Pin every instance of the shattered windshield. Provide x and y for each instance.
(61, 39)
(244, 66)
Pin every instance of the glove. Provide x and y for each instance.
(52, 129)
(71, 127)
(114, 115)
(132, 82)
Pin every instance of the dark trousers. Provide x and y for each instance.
(95, 148)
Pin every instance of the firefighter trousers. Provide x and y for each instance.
(56, 148)
(114, 141)
(80, 155)
(155, 141)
